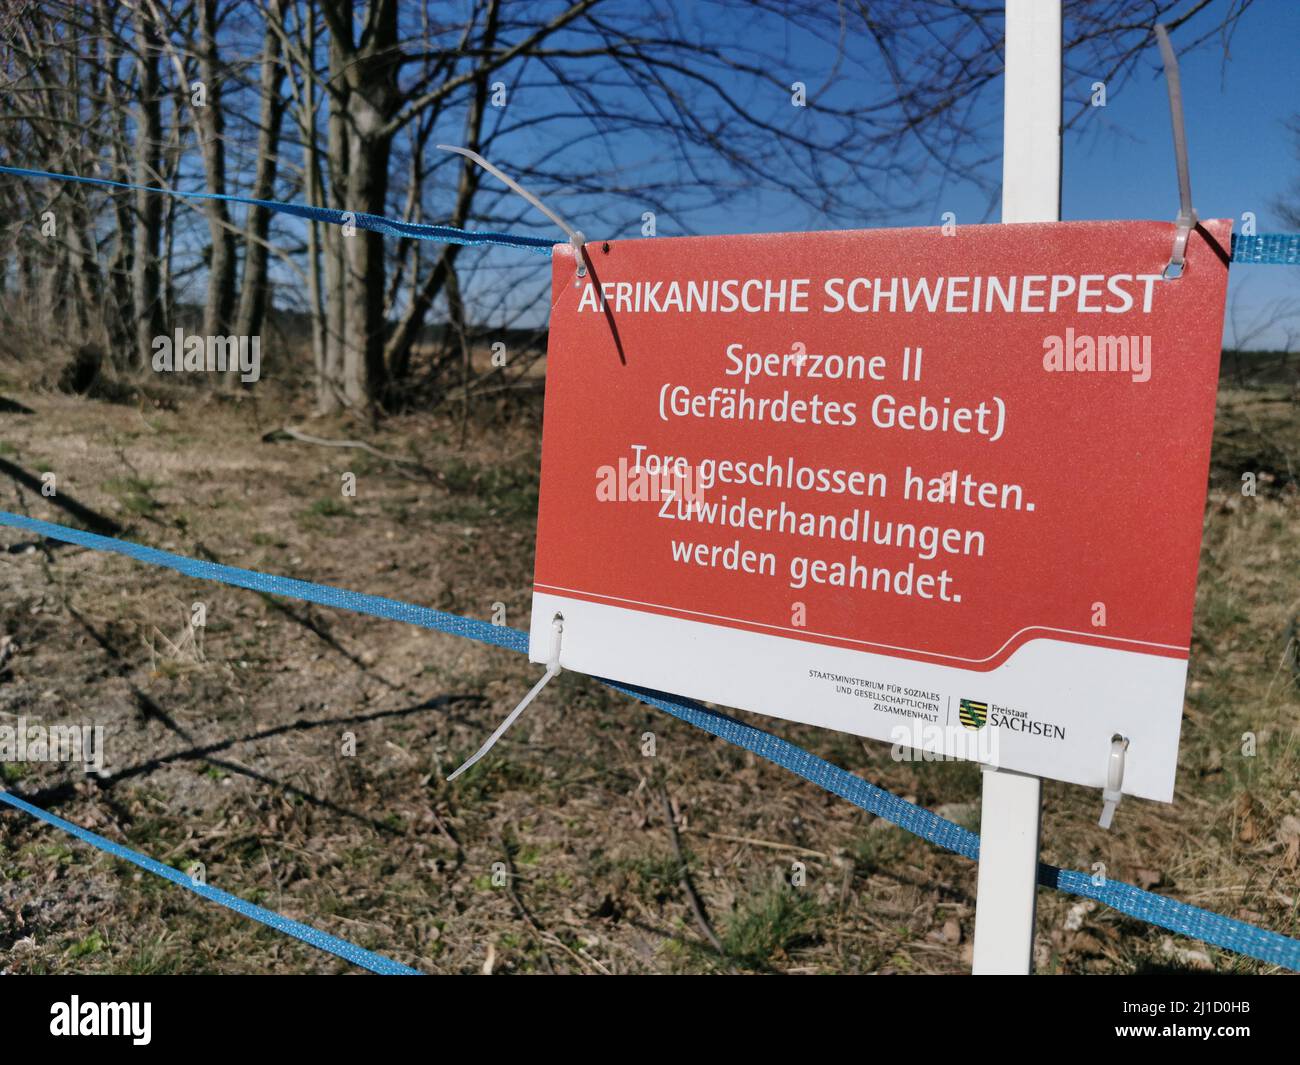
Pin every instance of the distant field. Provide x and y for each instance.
(228, 752)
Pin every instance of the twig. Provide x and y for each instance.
(770, 844)
(692, 896)
(361, 445)
(529, 920)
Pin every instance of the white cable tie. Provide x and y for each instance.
(1113, 791)
(552, 669)
(1186, 220)
(576, 237)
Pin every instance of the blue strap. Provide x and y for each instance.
(1264, 248)
(915, 819)
(1176, 916)
(377, 223)
(375, 605)
(1279, 249)
(376, 963)
(1147, 906)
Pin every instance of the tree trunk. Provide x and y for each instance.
(331, 396)
(148, 205)
(121, 337)
(253, 290)
(89, 287)
(367, 76)
(218, 310)
(363, 335)
(316, 197)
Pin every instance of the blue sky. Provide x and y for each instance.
(1119, 163)
(1118, 160)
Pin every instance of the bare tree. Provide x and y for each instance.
(219, 309)
(253, 284)
(147, 245)
(844, 114)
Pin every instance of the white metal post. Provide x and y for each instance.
(1011, 804)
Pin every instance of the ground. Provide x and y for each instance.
(567, 849)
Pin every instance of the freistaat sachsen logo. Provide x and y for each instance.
(973, 713)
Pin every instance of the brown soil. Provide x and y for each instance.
(555, 854)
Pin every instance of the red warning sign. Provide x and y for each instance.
(943, 490)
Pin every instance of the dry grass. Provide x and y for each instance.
(232, 756)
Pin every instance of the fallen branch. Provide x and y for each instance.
(770, 844)
(361, 445)
(692, 896)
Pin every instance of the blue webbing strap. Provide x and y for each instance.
(1264, 248)
(377, 223)
(1226, 932)
(376, 605)
(367, 959)
(1147, 906)
(1279, 249)
(906, 815)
